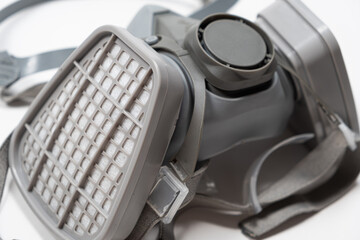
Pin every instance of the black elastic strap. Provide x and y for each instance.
(312, 171)
(12, 68)
(9, 69)
(323, 178)
(17, 7)
(37, 63)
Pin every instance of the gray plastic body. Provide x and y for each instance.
(313, 52)
(87, 153)
(228, 121)
(233, 121)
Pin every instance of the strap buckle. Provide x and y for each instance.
(167, 195)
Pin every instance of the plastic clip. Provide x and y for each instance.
(167, 195)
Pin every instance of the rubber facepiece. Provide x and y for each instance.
(89, 150)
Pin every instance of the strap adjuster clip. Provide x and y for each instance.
(167, 195)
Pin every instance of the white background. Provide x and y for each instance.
(62, 24)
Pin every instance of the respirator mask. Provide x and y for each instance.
(122, 138)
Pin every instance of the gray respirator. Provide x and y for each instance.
(121, 139)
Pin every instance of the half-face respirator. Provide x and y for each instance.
(121, 139)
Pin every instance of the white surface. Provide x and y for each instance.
(67, 23)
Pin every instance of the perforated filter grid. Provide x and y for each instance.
(77, 148)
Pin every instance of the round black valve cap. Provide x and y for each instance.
(234, 43)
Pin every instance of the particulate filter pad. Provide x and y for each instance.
(94, 139)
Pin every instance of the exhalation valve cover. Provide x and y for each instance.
(94, 139)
